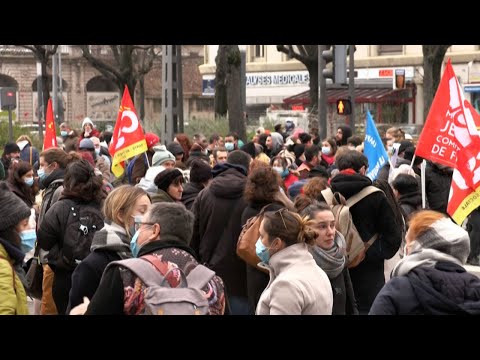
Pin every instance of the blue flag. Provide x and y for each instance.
(374, 149)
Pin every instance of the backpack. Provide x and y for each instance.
(83, 222)
(187, 298)
(130, 165)
(356, 247)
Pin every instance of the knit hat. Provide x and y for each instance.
(166, 177)
(403, 145)
(87, 121)
(12, 209)
(249, 148)
(11, 147)
(175, 148)
(161, 155)
(200, 172)
(86, 144)
(151, 139)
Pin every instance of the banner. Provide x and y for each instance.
(128, 139)
(374, 149)
(50, 139)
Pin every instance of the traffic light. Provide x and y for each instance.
(344, 107)
(337, 55)
(8, 98)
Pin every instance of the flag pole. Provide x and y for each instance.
(146, 158)
(413, 159)
(422, 169)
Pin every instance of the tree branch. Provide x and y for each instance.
(98, 64)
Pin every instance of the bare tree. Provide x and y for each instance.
(308, 56)
(228, 88)
(123, 64)
(432, 66)
(42, 53)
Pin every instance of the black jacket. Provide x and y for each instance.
(437, 186)
(372, 215)
(190, 193)
(446, 289)
(218, 210)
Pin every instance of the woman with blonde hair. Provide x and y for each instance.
(430, 279)
(123, 210)
(297, 285)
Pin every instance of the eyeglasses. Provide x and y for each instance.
(138, 222)
(280, 212)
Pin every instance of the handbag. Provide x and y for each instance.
(35, 276)
(247, 239)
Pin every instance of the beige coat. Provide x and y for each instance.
(297, 285)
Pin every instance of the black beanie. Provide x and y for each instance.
(175, 148)
(11, 147)
(166, 177)
(249, 148)
(200, 172)
(12, 209)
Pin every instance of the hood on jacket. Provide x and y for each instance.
(229, 184)
(349, 185)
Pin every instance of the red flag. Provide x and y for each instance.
(50, 139)
(128, 139)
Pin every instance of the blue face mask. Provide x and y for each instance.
(262, 251)
(285, 173)
(133, 244)
(229, 146)
(28, 238)
(41, 174)
(326, 150)
(97, 151)
(29, 181)
(64, 133)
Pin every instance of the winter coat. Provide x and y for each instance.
(410, 202)
(111, 243)
(437, 186)
(28, 198)
(371, 215)
(297, 285)
(25, 155)
(13, 299)
(190, 193)
(140, 167)
(446, 289)
(257, 280)
(218, 211)
(53, 185)
(117, 282)
(160, 196)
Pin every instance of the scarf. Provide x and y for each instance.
(114, 238)
(331, 261)
(443, 241)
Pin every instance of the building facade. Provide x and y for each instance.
(271, 77)
(85, 92)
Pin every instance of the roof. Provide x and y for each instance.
(362, 95)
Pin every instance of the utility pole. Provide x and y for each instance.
(351, 85)
(322, 94)
(54, 86)
(172, 100)
(61, 105)
(180, 88)
(243, 79)
(40, 101)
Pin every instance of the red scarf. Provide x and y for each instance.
(348, 172)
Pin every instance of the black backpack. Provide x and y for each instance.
(83, 222)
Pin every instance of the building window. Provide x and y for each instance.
(257, 52)
(390, 49)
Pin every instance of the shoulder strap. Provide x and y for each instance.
(360, 195)
(199, 277)
(31, 155)
(143, 269)
(328, 196)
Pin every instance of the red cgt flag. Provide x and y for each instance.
(128, 139)
(50, 139)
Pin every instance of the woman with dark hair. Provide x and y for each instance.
(329, 149)
(261, 190)
(297, 285)
(21, 183)
(170, 186)
(82, 193)
(431, 279)
(329, 253)
(53, 163)
(14, 225)
(342, 135)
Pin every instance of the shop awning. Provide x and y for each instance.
(362, 95)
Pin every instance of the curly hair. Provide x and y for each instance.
(314, 186)
(262, 185)
(81, 183)
(185, 143)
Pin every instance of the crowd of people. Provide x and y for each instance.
(185, 203)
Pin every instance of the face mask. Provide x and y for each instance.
(64, 133)
(284, 174)
(41, 174)
(229, 146)
(278, 169)
(326, 150)
(29, 181)
(28, 238)
(97, 151)
(262, 251)
(133, 244)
